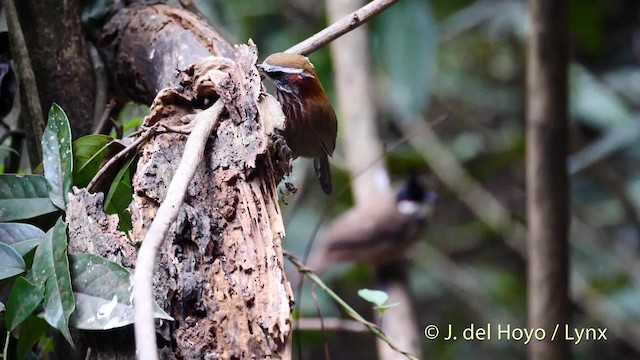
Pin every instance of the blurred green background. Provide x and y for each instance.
(468, 58)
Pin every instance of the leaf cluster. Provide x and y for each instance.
(49, 287)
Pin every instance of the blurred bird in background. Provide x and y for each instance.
(378, 233)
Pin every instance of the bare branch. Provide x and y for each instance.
(104, 115)
(114, 160)
(341, 27)
(100, 115)
(25, 74)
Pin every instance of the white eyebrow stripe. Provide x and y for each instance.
(278, 68)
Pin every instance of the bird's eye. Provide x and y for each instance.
(277, 75)
(281, 76)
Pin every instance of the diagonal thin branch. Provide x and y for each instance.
(375, 329)
(116, 158)
(340, 27)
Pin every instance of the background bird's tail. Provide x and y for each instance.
(323, 172)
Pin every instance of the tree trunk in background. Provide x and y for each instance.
(351, 56)
(547, 180)
(60, 60)
(356, 107)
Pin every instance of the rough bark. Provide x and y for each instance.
(60, 58)
(219, 272)
(145, 48)
(92, 231)
(547, 180)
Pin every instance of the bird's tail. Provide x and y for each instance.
(323, 172)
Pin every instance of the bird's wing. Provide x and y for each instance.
(365, 232)
(324, 124)
(365, 236)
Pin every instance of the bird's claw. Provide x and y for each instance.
(282, 150)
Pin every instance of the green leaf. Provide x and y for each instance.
(30, 333)
(42, 266)
(21, 237)
(376, 297)
(88, 152)
(51, 270)
(23, 301)
(57, 156)
(103, 294)
(120, 196)
(132, 124)
(11, 263)
(58, 300)
(24, 197)
(131, 116)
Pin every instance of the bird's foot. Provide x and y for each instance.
(282, 156)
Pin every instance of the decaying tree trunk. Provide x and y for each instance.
(219, 272)
(145, 48)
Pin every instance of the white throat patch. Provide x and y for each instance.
(407, 207)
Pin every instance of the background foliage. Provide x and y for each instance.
(466, 58)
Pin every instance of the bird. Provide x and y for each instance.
(376, 235)
(311, 125)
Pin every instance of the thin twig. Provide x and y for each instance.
(340, 27)
(5, 348)
(102, 85)
(20, 55)
(375, 329)
(124, 152)
(145, 330)
(325, 213)
(325, 344)
(105, 114)
(117, 127)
